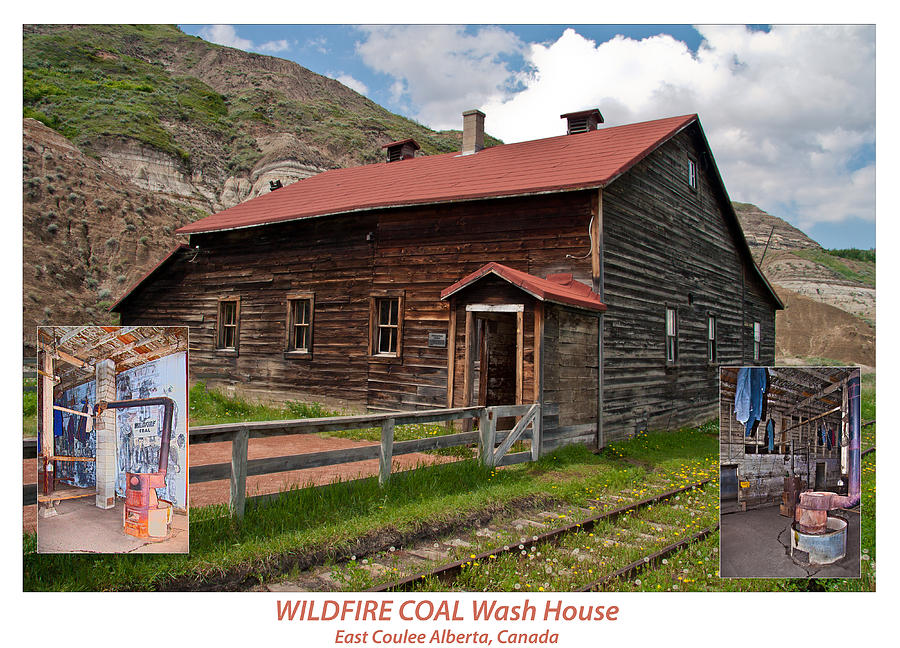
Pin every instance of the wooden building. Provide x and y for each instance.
(599, 271)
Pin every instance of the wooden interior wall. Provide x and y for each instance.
(764, 471)
(668, 245)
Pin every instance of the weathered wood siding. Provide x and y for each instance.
(665, 244)
(662, 244)
(570, 376)
(420, 251)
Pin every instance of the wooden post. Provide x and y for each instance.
(487, 435)
(520, 356)
(46, 403)
(469, 359)
(538, 373)
(239, 472)
(451, 353)
(538, 348)
(386, 454)
(536, 435)
(730, 417)
(596, 227)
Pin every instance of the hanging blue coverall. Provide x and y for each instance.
(749, 395)
(770, 433)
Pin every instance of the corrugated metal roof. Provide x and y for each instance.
(563, 163)
(560, 289)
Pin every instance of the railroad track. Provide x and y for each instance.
(587, 554)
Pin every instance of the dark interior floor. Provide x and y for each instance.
(756, 544)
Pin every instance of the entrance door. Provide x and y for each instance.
(496, 359)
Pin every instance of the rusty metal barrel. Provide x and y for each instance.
(790, 496)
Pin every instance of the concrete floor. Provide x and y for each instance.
(756, 544)
(81, 527)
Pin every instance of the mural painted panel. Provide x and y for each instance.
(72, 439)
(140, 429)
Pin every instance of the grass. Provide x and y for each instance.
(29, 409)
(304, 519)
(860, 271)
(210, 406)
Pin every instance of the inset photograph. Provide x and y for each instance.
(790, 472)
(112, 439)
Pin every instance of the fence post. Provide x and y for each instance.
(387, 451)
(239, 472)
(487, 435)
(536, 436)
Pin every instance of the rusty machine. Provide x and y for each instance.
(145, 515)
(817, 537)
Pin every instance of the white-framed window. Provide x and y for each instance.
(757, 339)
(227, 321)
(300, 308)
(671, 335)
(712, 353)
(692, 174)
(386, 324)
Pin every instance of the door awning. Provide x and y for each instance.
(556, 288)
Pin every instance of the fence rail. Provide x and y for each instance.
(494, 445)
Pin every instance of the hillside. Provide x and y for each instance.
(204, 124)
(829, 299)
(87, 234)
(131, 131)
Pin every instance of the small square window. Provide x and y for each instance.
(692, 174)
(671, 336)
(228, 318)
(300, 323)
(712, 352)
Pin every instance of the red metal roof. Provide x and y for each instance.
(560, 289)
(562, 163)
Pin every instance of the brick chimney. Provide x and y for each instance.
(582, 121)
(473, 132)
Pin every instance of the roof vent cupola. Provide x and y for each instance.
(582, 121)
(401, 150)
(473, 132)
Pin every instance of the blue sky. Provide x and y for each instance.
(789, 111)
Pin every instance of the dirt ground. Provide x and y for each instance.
(218, 492)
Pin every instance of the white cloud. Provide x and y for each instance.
(459, 71)
(227, 35)
(275, 46)
(352, 83)
(320, 44)
(786, 111)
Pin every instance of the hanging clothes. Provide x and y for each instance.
(758, 384)
(58, 427)
(770, 433)
(830, 437)
(81, 433)
(742, 395)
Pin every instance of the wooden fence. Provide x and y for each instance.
(493, 444)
